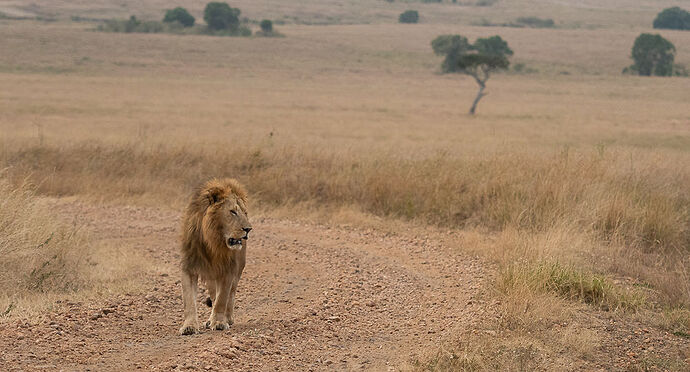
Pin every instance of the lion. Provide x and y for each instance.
(215, 230)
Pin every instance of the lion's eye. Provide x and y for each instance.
(233, 213)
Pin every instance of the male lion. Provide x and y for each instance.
(214, 246)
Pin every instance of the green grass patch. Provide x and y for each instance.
(570, 283)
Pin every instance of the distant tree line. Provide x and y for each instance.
(220, 18)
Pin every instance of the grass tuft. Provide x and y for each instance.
(37, 253)
(570, 283)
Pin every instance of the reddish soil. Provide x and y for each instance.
(312, 297)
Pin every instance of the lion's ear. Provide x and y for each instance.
(214, 194)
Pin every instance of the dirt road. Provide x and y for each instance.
(311, 298)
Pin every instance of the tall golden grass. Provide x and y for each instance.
(37, 252)
(566, 205)
(45, 258)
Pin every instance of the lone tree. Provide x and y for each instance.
(673, 19)
(478, 60)
(220, 16)
(180, 15)
(653, 55)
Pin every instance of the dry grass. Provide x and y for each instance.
(44, 259)
(532, 332)
(38, 254)
(563, 206)
(573, 179)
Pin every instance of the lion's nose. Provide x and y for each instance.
(247, 229)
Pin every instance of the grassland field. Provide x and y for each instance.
(568, 161)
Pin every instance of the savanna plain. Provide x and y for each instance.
(392, 230)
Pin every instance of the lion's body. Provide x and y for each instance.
(214, 245)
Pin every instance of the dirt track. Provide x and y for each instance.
(311, 298)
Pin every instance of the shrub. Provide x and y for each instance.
(680, 70)
(243, 31)
(653, 55)
(266, 26)
(536, 22)
(673, 19)
(486, 2)
(409, 16)
(131, 25)
(220, 16)
(180, 15)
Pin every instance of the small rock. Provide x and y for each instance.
(95, 315)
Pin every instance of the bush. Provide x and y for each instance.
(220, 16)
(486, 2)
(653, 55)
(266, 26)
(180, 15)
(409, 16)
(131, 25)
(243, 31)
(680, 70)
(536, 22)
(673, 19)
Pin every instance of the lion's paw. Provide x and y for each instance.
(188, 330)
(221, 326)
(218, 325)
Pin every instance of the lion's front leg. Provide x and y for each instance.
(189, 287)
(231, 303)
(237, 274)
(218, 319)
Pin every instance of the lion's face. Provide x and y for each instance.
(236, 226)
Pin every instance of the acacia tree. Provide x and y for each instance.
(477, 60)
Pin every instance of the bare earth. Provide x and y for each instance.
(311, 297)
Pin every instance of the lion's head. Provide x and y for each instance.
(225, 221)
